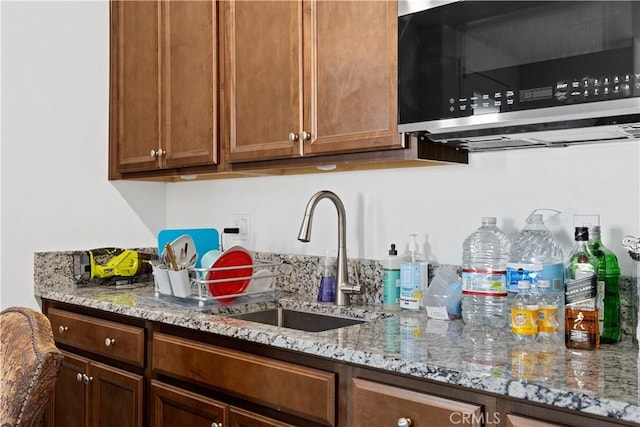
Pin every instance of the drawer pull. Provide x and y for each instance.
(63, 329)
(109, 342)
(404, 422)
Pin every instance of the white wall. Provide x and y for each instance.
(55, 193)
(441, 204)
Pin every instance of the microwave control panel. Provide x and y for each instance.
(572, 91)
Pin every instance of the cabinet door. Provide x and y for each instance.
(190, 83)
(263, 79)
(375, 404)
(135, 99)
(174, 407)
(350, 76)
(69, 405)
(241, 418)
(520, 421)
(116, 397)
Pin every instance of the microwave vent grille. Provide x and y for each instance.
(499, 144)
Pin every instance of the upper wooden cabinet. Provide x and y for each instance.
(308, 78)
(164, 97)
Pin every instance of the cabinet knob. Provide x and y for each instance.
(79, 377)
(153, 153)
(214, 424)
(161, 152)
(404, 422)
(293, 137)
(63, 329)
(109, 342)
(157, 153)
(305, 135)
(87, 379)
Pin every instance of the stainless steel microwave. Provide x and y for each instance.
(495, 74)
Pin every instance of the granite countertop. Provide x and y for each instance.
(603, 382)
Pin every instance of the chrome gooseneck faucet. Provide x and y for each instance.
(343, 288)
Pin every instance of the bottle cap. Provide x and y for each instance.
(393, 250)
(524, 284)
(582, 234)
(544, 284)
(489, 220)
(535, 219)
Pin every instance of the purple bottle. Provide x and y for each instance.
(328, 280)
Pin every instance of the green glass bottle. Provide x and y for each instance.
(608, 277)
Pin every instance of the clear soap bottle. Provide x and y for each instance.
(413, 277)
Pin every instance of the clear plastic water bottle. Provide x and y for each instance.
(536, 255)
(484, 277)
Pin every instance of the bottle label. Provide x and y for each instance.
(391, 287)
(484, 282)
(523, 321)
(600, 303)
(554, 273)
(548, 318)
(581, 291)
(410, 286)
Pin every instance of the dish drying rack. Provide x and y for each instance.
(199, 285)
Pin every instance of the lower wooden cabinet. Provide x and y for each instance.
(518, 421)
(297, 390)
(90, 393)
(174, 407)
(375, 404)
(241, 418)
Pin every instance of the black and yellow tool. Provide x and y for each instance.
(106, 263)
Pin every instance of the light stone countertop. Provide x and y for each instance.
(603, 382)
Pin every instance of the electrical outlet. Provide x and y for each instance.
(243, 222)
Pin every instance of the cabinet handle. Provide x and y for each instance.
(404, 422)
(79, 377)
(305, 135)
(293, 137)
(109, 342)
(161, 152)
(158, 153)
(86, 379)
(214, 424)
(63, 329)
(153, 153)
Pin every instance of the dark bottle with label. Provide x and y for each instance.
(581, 313)
(608, 278)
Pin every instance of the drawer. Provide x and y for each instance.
(375, 404)
(117, 341)
(305, 392)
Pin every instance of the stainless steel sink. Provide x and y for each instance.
(300, 320)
